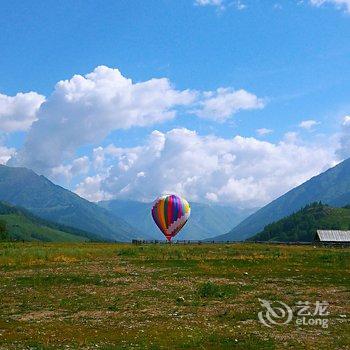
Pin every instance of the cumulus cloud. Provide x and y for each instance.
(340, 4)
(308, 124)
(240, 5)
(344, 148)
(264, 131)
(224, 102)
(90, 188)
(221, 4)
(65, 173)
(291, 137)
(216, 3)
(17, 113)
(85, 109)
(6, 154)
(243, 171)
(346, 121)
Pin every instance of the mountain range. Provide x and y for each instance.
(116, 220)
(123, 220)
(22, 187)
(331, 187)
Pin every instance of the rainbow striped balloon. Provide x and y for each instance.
(170, 213)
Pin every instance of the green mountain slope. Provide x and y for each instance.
(302, 226)
(19, 224)
(24, 188)
(331, 187)
(205, 220)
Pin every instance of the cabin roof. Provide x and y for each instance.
(333, 236)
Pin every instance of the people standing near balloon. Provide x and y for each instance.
(170, 213)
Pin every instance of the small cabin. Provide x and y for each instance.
(332, 236)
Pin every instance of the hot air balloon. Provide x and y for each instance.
(170, 213)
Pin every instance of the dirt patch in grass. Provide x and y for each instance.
(37, 316)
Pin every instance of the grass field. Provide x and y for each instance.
(119, 296)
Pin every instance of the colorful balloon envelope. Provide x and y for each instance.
(170, 213)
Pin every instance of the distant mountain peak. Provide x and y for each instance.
(331, 187)
(206, 220)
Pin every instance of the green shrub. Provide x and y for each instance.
(209, 290)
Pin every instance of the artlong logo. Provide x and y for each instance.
(279, 313)
(275, 315)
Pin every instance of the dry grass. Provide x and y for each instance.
(110, 296)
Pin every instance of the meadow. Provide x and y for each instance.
(123, 296)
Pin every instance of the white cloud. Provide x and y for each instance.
(340, 4)
(85, 109)
(243, 171)
(90, 189)
(344, 142)
(216, 3)
(221, 4)
(6, 154)
(346, 121)
(65, 173)
(211, 196)
(225, 102)
(264, 131)
(291, 137)
(240, 5)
(308, 124)
(17, 113)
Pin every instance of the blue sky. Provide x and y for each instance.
(290, 57)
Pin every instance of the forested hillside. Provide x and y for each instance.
(302, 225)
(18, 224)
